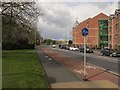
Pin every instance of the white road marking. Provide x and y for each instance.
(46, 51)
(80, 71)
(46, 56)
(50, 59)
(90, 67)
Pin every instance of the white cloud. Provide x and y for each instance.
(78, 0)
(60, 17)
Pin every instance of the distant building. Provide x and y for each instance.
(98, 32)
(114, 30)
(62, 42)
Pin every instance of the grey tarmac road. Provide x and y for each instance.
(56, 73)
(109, 63)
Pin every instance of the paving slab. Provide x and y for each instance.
(86, 84)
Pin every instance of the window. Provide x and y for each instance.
(116, 35)
(110, 38)
(110, 46)
(87, 24)
(110, 29)
(116, 26)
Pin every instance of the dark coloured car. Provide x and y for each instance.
(110, 52)
(62, 46)
(88, 49)
(67, 47)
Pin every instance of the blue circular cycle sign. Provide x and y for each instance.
(84, 31)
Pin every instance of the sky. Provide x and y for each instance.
(59, 17)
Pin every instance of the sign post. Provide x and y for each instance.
(85, 58)
(85, 33)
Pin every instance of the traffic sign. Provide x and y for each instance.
(84, 31)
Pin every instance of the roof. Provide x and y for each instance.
(101, 14)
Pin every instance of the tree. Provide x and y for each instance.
(19, 21)
(25, 13)
(70, 42)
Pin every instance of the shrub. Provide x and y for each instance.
(10, 45)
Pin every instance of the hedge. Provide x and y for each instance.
(10, 45)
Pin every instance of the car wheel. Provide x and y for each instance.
(111, 55)
(101, 54)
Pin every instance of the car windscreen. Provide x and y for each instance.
(83, 47)
(112, 50)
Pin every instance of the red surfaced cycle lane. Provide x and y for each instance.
(77, 67)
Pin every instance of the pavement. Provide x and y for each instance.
(56, 73)
(96, 77)
(92, 84)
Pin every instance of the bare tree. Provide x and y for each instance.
(25, 14)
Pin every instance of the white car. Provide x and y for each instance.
(74, 48)
(53, 46)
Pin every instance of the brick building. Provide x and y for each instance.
(98, 31)
(114, 30)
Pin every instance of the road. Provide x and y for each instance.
(104, 62)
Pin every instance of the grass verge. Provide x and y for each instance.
(22, 69)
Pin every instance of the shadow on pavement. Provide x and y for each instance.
(98, 74)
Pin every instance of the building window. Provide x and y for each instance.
(110, 20)
(110, 38)
(116, 35)
(101, 24)
(110, 29)
(116, 47)
(110, 46)
(116, 26)
(87, 24)
(119, 48)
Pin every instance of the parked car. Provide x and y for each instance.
(73, 48)
(109, 52)
(62, 46)
(67, 47)
(88, 49)
(53, 46)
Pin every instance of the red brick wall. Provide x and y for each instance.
(110, 33)
(92, 38)
(116, 32)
